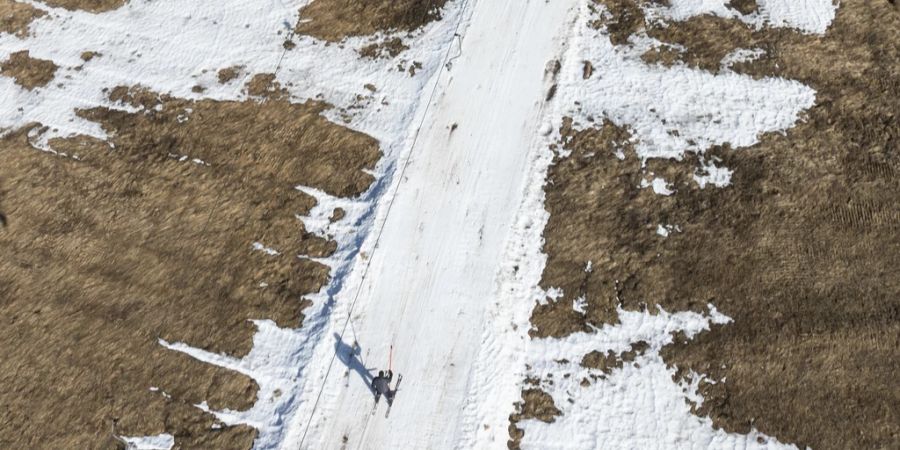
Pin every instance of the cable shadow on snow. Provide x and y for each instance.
(349, 355)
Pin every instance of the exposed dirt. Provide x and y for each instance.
(334, 20)
(228, 74)
(28, 72)
(744, 6)
(94, 6)
(800, 250)
(535, 404)
(387, 48)
(88, 56)
(607, 362)
(152, 239)
(15, 17)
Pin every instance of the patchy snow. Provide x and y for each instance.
(808, 16)
(451, 275)
(679, 109)
(666, 230)
(169, 47)
(158, 442)
(579, 305)
(711, 174)
(258, 246)
(670, 111)
(660, 186)
(638, 406)
(741, 55)
(662, 230)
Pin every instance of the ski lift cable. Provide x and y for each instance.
(390, 205)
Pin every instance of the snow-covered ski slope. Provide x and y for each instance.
(433, 271)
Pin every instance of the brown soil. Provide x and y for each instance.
(799, 250)
(535, 404)
(28, 72)
(607, 362)
(94, 6)
(15, 17)
(106, 255)
(744, 6)
(88, 56)
(388, 48)
(228, 74)
(334, 20)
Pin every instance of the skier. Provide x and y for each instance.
(382, 386)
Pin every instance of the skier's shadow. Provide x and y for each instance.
(350, 356)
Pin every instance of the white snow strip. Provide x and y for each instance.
(158, 442)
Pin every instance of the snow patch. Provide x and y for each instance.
(741, 55)
(808, 16)
(711, 174)
(188, 45)
(659, 185)
(159, 442)
(671, 111)
(579, 305)
(267, 250)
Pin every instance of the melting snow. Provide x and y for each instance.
(808, 16)
(158, 442)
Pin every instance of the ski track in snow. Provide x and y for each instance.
(454, 280)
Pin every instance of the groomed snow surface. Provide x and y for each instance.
(455, 272)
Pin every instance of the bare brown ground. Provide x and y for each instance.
(228, 74)
(801, 250)
(334, 20)
(94, 6)
(28, 72)
(104, 256)
(15, 17)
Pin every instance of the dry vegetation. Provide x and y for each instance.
(28, 72)
(801, 250)
(228, 74)
(334, 20)
(105, 255)
(535, 404)
(94, 6)
(15, 17)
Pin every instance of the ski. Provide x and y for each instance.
(391, 402)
